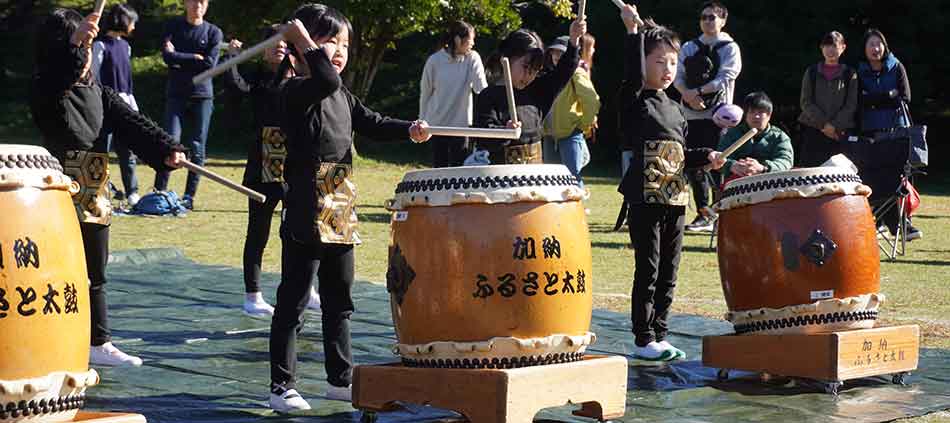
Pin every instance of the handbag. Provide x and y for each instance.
(915, 136)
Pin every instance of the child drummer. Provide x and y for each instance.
(318, 228)
(72, 111)
(655, 186)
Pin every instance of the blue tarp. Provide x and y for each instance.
(205, 361)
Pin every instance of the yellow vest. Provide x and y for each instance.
(576, 107)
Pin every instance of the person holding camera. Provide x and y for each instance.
(885, 92)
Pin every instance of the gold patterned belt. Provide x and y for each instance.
(523, 154)
(94, 200)
(663, 179)
(335, 219)
(274, 153)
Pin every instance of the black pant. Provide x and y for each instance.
(884, 183)
(95, 242)
(259, 216)
(448, 151)
(298, 262)
(656, 232)
(817, 148)
(703, 133)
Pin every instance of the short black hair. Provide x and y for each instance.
(719, 9)
(322, 21)
(521, 43)
(832, 38)
(119, 18)
(53, 35)
(655, 35)
(758, 100)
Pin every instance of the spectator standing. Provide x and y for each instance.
(885, 90)
(190, 46)
(706, 75)
(112, 67)
(829, 101)
(449, 78)
(574, 113)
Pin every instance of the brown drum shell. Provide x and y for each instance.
(760, 262)
(447, 249)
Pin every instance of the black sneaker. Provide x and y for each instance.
(700, 224)
(188, 202)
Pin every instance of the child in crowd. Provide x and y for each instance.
(265, 165)
(533, 94)
(73, 111)
(654, 185)
(112, 67)
(770, 150)
(318, 229)
(829, 102)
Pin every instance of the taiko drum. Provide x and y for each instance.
(798, 252)
(490, 267)
(44, 293)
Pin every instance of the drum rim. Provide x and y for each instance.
(31, 166)
(796, 183)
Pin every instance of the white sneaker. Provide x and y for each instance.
(108, 355)
(255, 305)
(314, 302)
(677, 353)
(287, 400)
(134, 199)
(340, 393)
(653, 352)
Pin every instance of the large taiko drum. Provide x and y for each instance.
(798, 252)
(44, 292)
(490, 267)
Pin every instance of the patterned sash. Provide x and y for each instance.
(663, 179)
(94, 200)
(274, 152)
(335, 221)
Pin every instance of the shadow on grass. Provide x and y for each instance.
(924, 262)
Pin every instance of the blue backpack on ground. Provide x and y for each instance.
(159, 203)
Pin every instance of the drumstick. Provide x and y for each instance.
(100, 6)
(582, 10)
(237, 60)
(512, 109)
(496, 133)
(620, 4)
(735, 146)
(254, 195)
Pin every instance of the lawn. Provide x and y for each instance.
(917, 285)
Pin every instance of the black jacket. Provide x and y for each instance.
(318, 116)
(73, 114)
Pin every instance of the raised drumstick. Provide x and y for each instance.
(582, 10)
(620, 4)
(495, 133)
(237, 60)
(254, 195)
(742, 140)
(100, 6)
(512, 109)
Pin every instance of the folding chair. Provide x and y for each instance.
(895, 245)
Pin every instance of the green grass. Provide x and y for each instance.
(917, 285)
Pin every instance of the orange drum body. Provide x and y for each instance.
(798, 252)
(490, 267)
(44, 293)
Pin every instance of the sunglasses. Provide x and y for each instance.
(707, 17)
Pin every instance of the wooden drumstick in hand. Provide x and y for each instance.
(620, 5)
(510, 89)
(582, 10)
(254, 195)
(742, 140)
(100, 6)
(237, 60)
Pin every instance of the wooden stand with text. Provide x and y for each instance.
(829, 357)
(100, 417)
(597, 383)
